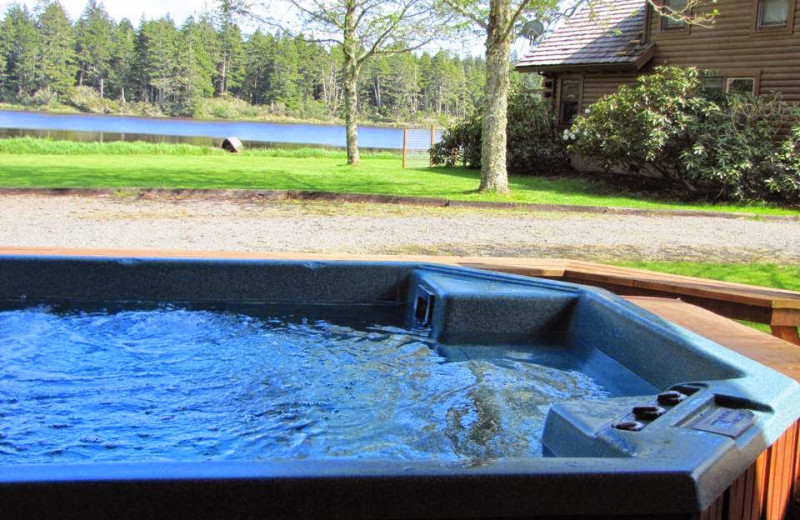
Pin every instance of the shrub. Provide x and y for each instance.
(533, 146)
(87, 99)
(725, 147)
(460, 144)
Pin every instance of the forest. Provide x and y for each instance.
(208, 67)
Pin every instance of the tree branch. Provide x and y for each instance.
(453, 4)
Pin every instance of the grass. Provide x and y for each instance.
(28, 162)
(765, 275)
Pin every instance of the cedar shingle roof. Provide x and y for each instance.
(609, 34)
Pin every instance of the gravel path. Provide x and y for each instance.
(241, 225)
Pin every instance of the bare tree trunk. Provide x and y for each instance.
(351, 110)
(102, 88)
(351, 68)
(494, 177)
(223, 77)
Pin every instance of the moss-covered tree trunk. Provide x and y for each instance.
(351, 68)
(494, 177)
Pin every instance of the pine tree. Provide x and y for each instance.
(204, 41)
(122, 72)
(258, 56)
(94, 34)
(19, 31)
(56, 56)
(155, 59)
(230, 66)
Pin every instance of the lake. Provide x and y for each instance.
(83, 127)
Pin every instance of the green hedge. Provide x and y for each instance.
(741, 148)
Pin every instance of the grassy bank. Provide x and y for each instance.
(47, 164)
(217, 109)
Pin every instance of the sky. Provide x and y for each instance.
(131, 9)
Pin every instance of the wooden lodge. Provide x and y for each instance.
(752, 46)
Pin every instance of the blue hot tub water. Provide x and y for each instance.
(180, 385)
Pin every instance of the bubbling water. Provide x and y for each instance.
(184, 385)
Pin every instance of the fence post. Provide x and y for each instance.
(405, 147)
(433, 141)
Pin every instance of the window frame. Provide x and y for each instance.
(783, 30)
(681, 28)
(727, 83)
(730, 74)
(561, 81)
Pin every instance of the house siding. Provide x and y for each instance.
(732, 44)
(597, 85)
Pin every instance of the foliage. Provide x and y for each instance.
(460, 144)
(159, 68)
(534, 147)
(54, 53)
(87, 99)
(725, 148)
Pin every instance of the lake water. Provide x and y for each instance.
(81, 127)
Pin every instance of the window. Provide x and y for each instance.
(716, 85)
(713, 85)
(740, 85)
(673, 6)
(773, 14)
(570, 104)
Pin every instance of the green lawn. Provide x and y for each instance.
(42, 163)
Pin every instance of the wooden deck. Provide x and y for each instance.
(770, 489)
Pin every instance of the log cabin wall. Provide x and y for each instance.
(734, 46)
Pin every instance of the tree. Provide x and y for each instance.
(155, 60)
(364, 29)
(231, 50)
(499, 19)
(19, 30)
(122, 76)
(202, 37)
(94, 34)
(55, 59)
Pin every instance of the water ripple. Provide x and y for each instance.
(173, 384)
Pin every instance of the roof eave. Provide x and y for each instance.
(633, 65)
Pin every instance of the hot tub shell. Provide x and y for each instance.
(669, 469)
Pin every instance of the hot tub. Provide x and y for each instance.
(465, 394)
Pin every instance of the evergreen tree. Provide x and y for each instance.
(122, 72)
(55, 59)
(22, 41)
(258, 57)
(204, 40)
(230, 64)
(155, 59)
(175, 69)
(94, 35)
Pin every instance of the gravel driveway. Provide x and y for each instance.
(244, 225)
